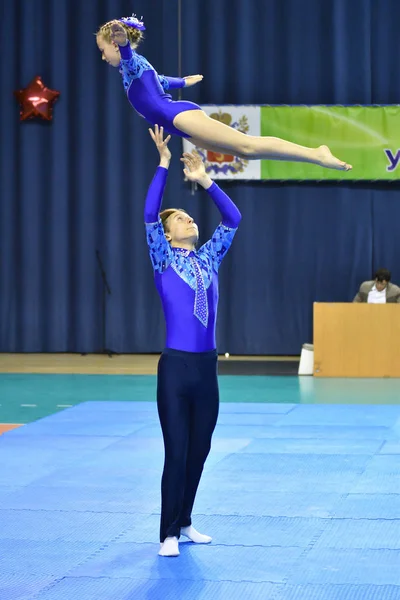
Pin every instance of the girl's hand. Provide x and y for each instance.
(192, 80)
(118, 34)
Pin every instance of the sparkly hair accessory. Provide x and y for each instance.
(133, 21)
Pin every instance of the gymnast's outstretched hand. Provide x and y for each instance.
(194, 169)
(192, 80)
(162, 145)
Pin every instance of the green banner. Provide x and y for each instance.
(367, 137)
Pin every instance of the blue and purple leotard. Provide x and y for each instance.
(146, 91)
(187, 281)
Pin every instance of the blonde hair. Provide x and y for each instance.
(165, 214)
(134, 35)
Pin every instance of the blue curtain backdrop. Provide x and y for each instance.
(77, 185)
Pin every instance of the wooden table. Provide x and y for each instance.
(356, 340)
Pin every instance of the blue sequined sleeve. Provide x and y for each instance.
(219, 244)
(171, 83)
(221, 241)
(132, 65)
(159, 247)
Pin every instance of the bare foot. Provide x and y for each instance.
(326, 159)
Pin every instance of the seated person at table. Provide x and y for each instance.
(379, 291)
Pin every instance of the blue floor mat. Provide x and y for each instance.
(214, 563)
(88, 588)
(368, 506)
(339, 592)
(348, 565)
(302, 501)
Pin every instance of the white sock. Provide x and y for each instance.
(169, 547)
(196, 537)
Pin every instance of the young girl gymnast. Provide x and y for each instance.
(147, 92)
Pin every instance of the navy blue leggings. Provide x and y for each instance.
(187, 401)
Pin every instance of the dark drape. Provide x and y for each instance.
(77, 184)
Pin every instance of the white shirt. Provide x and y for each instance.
(375, 297)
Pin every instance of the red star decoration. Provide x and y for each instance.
(36, 100)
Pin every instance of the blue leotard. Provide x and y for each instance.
(146, 91)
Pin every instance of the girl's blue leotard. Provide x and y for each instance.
(146, 91)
